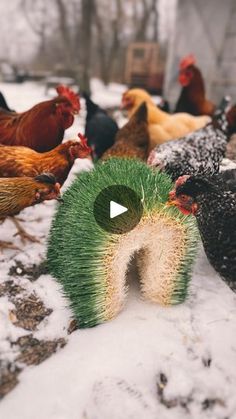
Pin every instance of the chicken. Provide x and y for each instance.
(228, 178)
(193, 97)
(19, 193)
(42, 127)
(132, 140)
(213, 203)
(3, 103)
(100, 129)
(162, 126)
(199, 153)
(16, 161)
(164, 105)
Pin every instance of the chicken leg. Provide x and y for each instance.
(7, 245)
(22, 233)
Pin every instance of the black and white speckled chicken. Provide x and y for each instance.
(199, 153)
(213, 202)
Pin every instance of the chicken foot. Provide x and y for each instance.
(7, 245)
(22, 233)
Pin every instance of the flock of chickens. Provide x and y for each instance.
(189, 145)
(33, 162)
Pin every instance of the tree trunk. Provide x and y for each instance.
(86, 43)
(107, 54)
(155, 20)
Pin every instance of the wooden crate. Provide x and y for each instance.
(143, 68)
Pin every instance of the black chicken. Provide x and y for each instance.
(228, 179)
(213, 202)
(100, 129)
(164, 105)
(199, 153)
(3, 103)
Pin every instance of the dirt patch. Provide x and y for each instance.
(10, 289)
(72, 326)
(29, 312)
(8, 377)
(184, 402)
(32, 272)
(34, 351)
(209, 404)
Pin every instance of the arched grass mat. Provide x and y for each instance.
(91, 264)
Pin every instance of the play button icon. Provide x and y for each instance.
(118, 209)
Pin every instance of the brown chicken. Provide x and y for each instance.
(23, 161)
(161, 125)
(132, 140)
(19, 193)
(41, 127)
(193, 96)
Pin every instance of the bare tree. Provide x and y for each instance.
(88, 8)
(90, 37)
(64, 29)
(36, 16)
(108, 46)
(149, 8)
(155, 20)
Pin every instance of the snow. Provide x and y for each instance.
(113, 371)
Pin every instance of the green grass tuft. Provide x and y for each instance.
(77, 244)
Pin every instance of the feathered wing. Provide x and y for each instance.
(9, 123)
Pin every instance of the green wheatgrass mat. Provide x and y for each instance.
(91, 264)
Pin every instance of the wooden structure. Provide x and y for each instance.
(143, 67)
(206, 29)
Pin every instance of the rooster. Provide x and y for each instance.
(42, 127)
(18, 161)
(193, 97)
(162, 126)
(199, 153)
(213, 202)
(19, 193)
(132, 140)
(100, 128)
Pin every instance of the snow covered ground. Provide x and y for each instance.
(150, 362)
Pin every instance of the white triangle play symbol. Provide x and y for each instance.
(116, 209)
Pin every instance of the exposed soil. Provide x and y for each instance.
(32, 272)
(34, 351)
(28, 313)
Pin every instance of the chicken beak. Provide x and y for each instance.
(171, 203)
(60, 199)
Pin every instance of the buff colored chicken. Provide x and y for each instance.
(162, 126)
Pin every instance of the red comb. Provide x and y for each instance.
(66, 92)
(83, 142)
(181, 180)
(187, 61)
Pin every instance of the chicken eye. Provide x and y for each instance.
(37, 195)
(183, 197)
